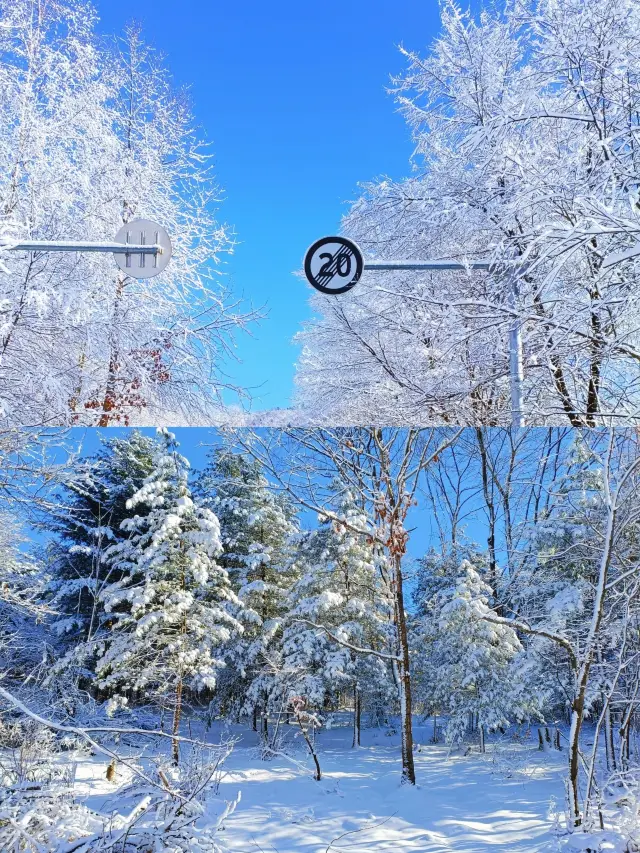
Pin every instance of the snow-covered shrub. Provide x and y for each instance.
(612, 824)
(180, 815)
(28, 754)
(173, 809)
(37, 807)
(40, 818)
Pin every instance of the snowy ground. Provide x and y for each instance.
(505, 800)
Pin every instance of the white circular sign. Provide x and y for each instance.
(333, 265)
(143, 232)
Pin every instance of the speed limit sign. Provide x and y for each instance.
(333, 265)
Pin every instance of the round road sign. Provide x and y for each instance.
(333, 265)
(143, 232)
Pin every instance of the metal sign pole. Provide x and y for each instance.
(137, 239)
(73, 246)
(427, 265)
(516, 365)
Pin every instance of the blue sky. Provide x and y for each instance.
(292, 97)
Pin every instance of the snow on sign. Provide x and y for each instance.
(143, 261)
(333, 265)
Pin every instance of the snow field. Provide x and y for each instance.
(504, 801)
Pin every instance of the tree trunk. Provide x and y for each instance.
(583, 671)
(311, 745)
(109, 402)
(177, 713)
(492, 577)
(356, 717)
(608, 733)
(408, 770)
(625, 731)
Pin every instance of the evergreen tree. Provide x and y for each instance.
(171, 606)
(470, 660)
(86, 522)
(338, 588)
(257, 525)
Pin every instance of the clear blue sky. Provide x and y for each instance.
(292, 96)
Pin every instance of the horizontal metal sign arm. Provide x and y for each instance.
(72, 246)
(427, 265)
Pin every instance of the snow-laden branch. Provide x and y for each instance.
(357, 649)
(518, 625)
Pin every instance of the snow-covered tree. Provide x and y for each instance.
(524, 119)
(470, 659)
(383, 468)
(339, 588)
(171, 608)
(257, 525)
(23, 639)
(92, 137)
(581, 594)
(86, 522)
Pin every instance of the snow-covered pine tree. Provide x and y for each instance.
(171, 609)
(86, 522)
(22, 613)
(339, 588)
(471, 659)
(257, 525)
(436, 575)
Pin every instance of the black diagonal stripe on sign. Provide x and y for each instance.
(343, 251)
(333, 269)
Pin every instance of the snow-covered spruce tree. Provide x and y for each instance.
(435, 577)
(86, 523)
(524, 119)
(22, 613)
(256, 527)
(438, 571)
(91, 138)
(171, 609)
(471, 670)
(339, 588)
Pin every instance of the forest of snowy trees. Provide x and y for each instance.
(417, 631)
(525, 120)
(482, 582)
(93, 136)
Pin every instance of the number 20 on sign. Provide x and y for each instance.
(333, 265)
